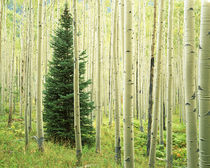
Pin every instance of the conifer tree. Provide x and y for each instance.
(59, 93)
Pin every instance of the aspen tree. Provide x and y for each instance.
(103, 81)
(128, 95)
(93, 57)
(84, 25)
(152, 155)
(137, 79)
(77, 128)
(12, 66)
(204, 87)
(98, 119)
(30, 65)
(161, 111)
(58, 10)
(152, 59)
(2, 55)
(169, 87)
(90, 42)
(110, 84)
(116, 80)
(22, 59)
(5, 49)
(190, 92)
(180, 71)
(93, 60)
(39, 116)
(28, 57)
(122, 37)
(20, 72)
(111, 67)
(1, 67)
(139, 70)
(45, 40)
(6, 92)
(1, 62)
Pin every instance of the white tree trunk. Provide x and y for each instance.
(39, 117)
(1, 67)
(78, 140)
(204, 86)
(128, 85)
(12, 65)
(155, 118)
(98, 119)
(190, 92)
(116, 80)
(169, 87)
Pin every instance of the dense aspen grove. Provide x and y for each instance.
(105, 83)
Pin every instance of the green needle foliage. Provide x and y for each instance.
(58, 93)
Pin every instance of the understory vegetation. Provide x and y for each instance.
(13, 154)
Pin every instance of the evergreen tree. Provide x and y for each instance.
(59, 95)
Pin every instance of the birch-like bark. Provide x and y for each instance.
(204, 86)
(161, 111)
(12, 66)
(150, 108)
(190, 92)
(22, 59)
(139, 70)
(111, 67)
(1, 67)
(128, 85)
(39, 116)
(93, 58)
(27, 70)
(98, 118)
(169, 87)
(110, 84)
(116, 80)
(122, 26)
(155, 118)
(78, 140)
(30, 66)
(84, 25)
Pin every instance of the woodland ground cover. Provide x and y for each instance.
(12, 152)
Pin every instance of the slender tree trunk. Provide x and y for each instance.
(169, 87)
(152, 155)
(151, 80)
(39, 117)
(128, 95)
(58, 10)
(12, 65)
(26, 98)
(116, 80)
(93, 61)
(78, 140)
(122, 26)
(84, 25)
(1, 67)
(30, 66)
(110, 84)
(139, 70)
(161, 112)
(204, 87)
(190, 92)
(98, 119)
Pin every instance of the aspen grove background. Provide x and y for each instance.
(105, 83)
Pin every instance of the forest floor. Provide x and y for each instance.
(13, 154)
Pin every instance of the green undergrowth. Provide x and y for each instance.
(13, 154)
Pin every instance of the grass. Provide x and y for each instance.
(13, 154)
